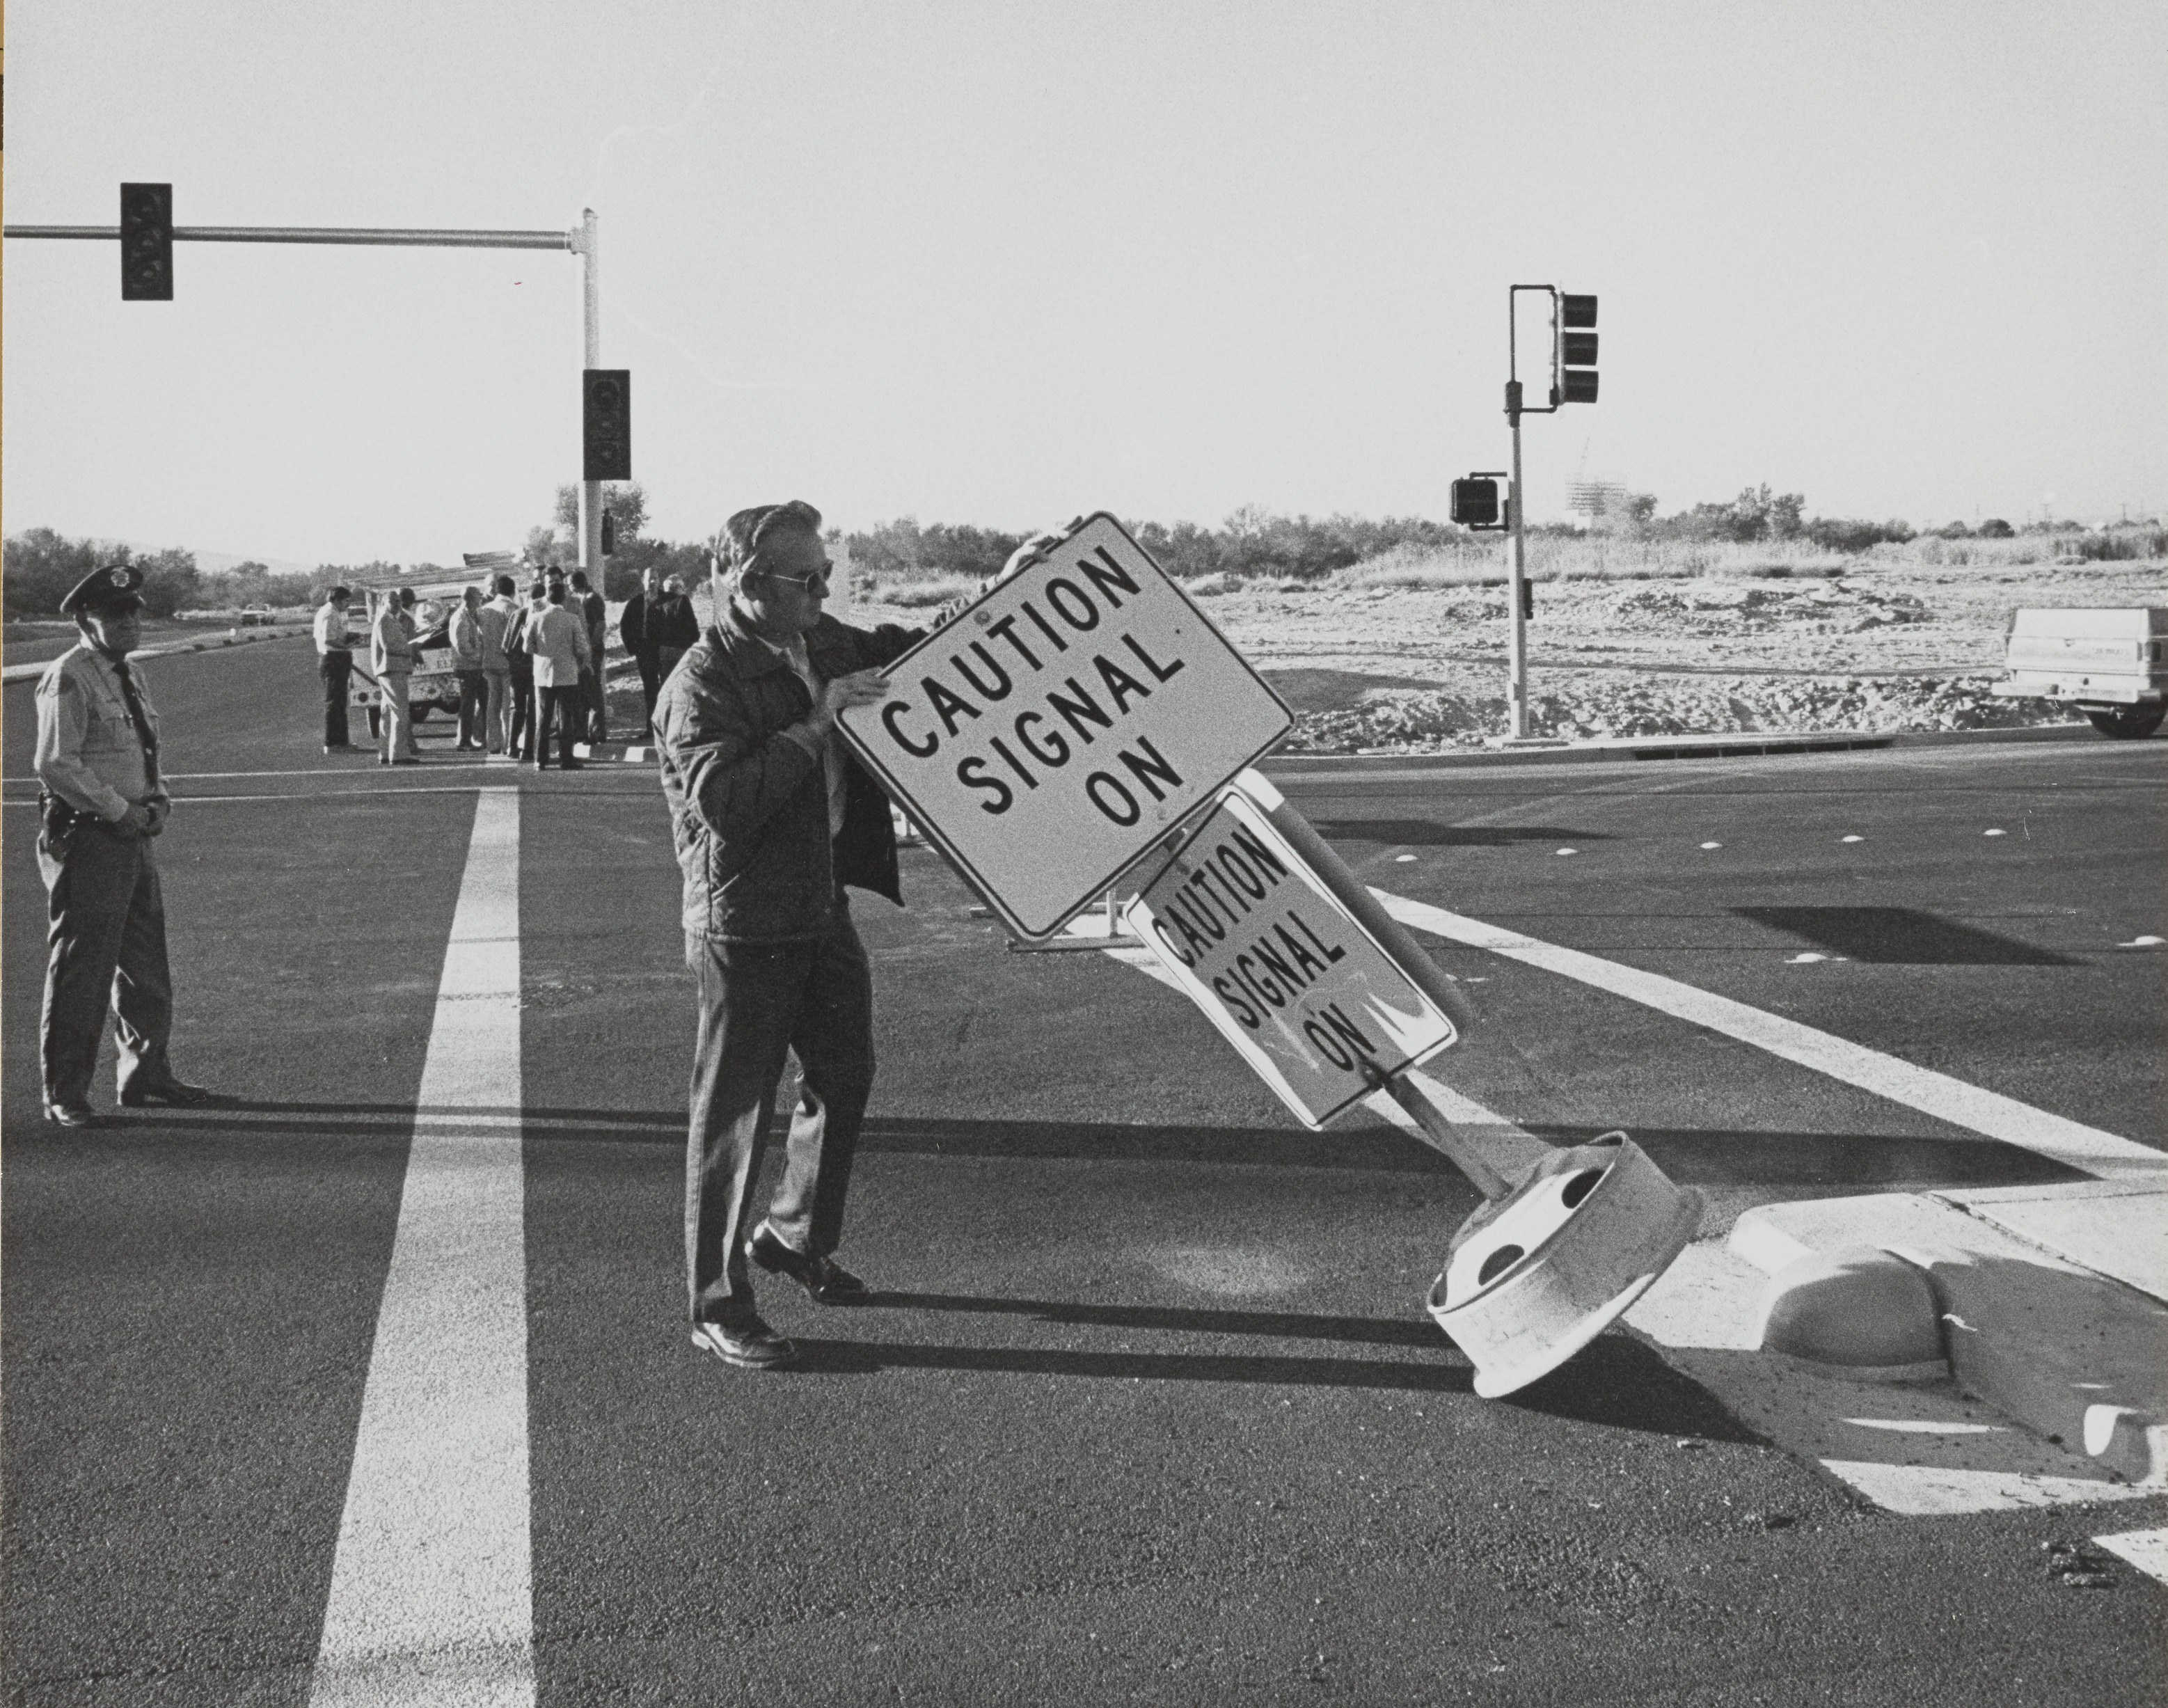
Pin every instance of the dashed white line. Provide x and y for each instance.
(432, 1595)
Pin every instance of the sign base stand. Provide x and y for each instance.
(1543, 1268)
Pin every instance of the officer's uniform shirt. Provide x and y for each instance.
(332, 635)
(89, 752)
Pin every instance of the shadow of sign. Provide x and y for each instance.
(1418, 832)
(1901, 937)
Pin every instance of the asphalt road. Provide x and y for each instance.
(1145, 1407)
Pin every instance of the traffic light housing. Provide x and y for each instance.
(609, 534)
(146, 243)
(606, 424)
(1576, 349)
(1475, 503)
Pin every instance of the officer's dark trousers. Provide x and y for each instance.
(758, 1002)
(335, 667)
(651, 683)
(106, 953)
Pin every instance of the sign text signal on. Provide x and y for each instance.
(1063, 723)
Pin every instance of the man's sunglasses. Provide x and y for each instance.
(824, 577)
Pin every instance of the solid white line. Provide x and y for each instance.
(432, 1593)
(2147, 1550)
(2105, 1154)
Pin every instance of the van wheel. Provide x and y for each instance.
(419, 714)
(375, 724)
(2127, 723)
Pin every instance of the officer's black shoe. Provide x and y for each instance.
(71, 1115)
(749, 1343)
(170, 1093)
(826, 1281)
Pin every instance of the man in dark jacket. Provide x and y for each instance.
(772, 817)
(640, 627)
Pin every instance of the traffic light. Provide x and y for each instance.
(1577, 350)
(606, 424)
(1476, 502)
(146, 243)
(609, 534)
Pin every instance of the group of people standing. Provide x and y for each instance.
(527, 671)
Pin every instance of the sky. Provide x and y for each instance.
(1007, 263)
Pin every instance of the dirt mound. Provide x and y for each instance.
(1587, 707)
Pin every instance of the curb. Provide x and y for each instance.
(1637, 748)
(2072, 1354)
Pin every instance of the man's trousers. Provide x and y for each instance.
(557, 709)
(105, 938)
(758, 1002)
(519, 736)
(394, 728)
(336, 668)
(651, 683)
(474, 696)
(496, 716)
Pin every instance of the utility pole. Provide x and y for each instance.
(588, 244)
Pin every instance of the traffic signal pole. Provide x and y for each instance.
(1517, 562)
(589, 246)
(584, 241)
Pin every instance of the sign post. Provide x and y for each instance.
(1052, 735)
(1329, 999)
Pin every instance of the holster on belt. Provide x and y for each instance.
(57, 820)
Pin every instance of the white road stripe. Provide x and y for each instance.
(432, 1599)
(2105, 1154)
(2147, 1550)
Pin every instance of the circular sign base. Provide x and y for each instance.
(1531, 1279)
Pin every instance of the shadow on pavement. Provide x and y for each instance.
(1284, 1324)
(865, 1358)
(1901, 937)
(1854, 1161)
(1420, 832)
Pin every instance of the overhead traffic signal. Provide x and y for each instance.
(146, 243)
(1576, 349)
(606, 423)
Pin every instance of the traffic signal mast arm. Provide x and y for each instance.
(408, 238)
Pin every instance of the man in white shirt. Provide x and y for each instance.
(496, 619)
(335, 663)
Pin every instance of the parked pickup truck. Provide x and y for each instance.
(2108, 663)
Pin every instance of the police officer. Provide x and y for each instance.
(102, 802)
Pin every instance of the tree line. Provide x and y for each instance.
(41, 565)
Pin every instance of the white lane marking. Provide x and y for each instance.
(432, 1597)
(2107, 1155)
(2147, 1550)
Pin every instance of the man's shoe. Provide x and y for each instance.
(571, 764)
(409, 760)
(826, 1281)
(169, 1093)
(750, 1344)
(71, 1115)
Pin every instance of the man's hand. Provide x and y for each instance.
(158, 811)
(859, 688)
(134, 824)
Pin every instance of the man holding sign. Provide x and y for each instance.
(772, 818)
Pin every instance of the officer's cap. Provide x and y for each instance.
(111, 592)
